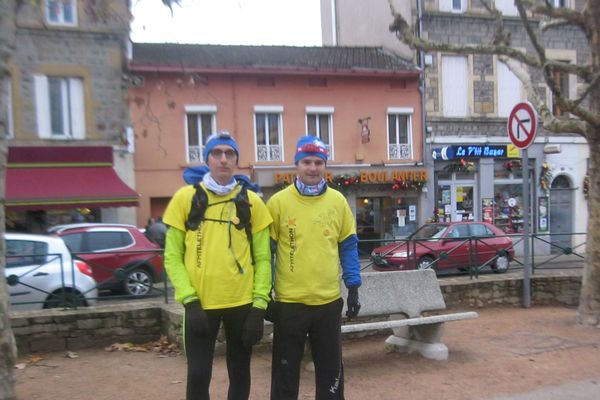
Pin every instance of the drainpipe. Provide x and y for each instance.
(421, 63)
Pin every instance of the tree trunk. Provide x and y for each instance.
(8, 351)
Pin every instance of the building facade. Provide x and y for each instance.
(363, 102)
(476, 172)
(66, 93)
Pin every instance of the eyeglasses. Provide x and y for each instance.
(218, 153)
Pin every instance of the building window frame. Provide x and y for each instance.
(268, 140)
(399, 133)
(60, 107)
(508, 89)
(319, 123)
(200, 123)
(7, 94)
(454, 6)
(61, 12)
(457, 83)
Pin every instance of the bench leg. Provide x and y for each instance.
(426, 339)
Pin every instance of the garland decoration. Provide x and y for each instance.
(513, 165)
(586, 186)
(460, 166)
(545, 176)
(414, 184)
(345, 181)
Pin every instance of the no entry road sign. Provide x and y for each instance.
(522, 125)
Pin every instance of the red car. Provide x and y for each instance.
(120, 255)
(447, 245)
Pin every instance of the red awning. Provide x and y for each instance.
(64, 177)
(66, 187)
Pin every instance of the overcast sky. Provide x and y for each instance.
(245, 22)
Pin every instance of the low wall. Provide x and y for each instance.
(59, 330)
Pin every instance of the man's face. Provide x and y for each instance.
(311, 170)
(222, 160)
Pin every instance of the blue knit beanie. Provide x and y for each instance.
(310, 146)
(220, 138)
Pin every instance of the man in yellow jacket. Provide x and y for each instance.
(316, 246)
(217, 256)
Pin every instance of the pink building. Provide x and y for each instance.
(364, 102)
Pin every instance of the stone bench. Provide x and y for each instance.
(404, 296)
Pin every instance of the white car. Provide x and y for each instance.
(41, 273)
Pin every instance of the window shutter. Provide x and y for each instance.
(77, 108)
(454, 86)
(509, 89)
(42, 106)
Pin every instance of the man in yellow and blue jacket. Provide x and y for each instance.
(315, 233)
(218, 258)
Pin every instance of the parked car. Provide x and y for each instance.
(447, 245)
(121, 256)
(41, 273)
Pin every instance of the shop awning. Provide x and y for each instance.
(66, 177)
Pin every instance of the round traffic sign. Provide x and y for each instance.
(522, 125)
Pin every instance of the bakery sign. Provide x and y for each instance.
(366, 176)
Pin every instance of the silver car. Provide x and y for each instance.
(41, 273)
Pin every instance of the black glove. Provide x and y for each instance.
(196, 318)
(253, 327)
(271, 314)
(352, 302)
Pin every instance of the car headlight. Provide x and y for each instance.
(401, 254)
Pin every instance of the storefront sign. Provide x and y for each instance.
(375, 176)
(475, 151)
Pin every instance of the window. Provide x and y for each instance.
(507, 7)
(509, 89)
(453, 5)
(60, 107)
(268, 133)
(562, 81)
(454, 86)
(480, 230)
(560, 3)
(7, 95)
(399, 133)
(61, 12)
(319, 124)
(200, 124)
(25, 252)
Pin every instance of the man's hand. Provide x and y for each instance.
(352, 302)
(196, 318)
(253, 327)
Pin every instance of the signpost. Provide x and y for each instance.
(522, 127)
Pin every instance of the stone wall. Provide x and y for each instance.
(59, 330)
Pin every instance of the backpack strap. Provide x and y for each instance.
(242, 206)
(199, 205)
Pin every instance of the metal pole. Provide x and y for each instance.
(525, 211)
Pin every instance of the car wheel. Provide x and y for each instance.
(65, 299)
(501, 264)
(425, 263)
(138, 282)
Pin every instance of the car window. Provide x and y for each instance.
(25, 252)
(74, 242)
(459, 231)
(480, 230)
(108, 240)
(429, 231)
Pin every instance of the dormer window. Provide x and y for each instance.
(61, 12)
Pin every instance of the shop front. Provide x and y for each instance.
(47, 186)
(387, 202)
(481, 183)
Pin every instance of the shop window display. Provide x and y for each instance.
(508, 214)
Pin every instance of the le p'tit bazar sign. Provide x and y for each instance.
(374, 176)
